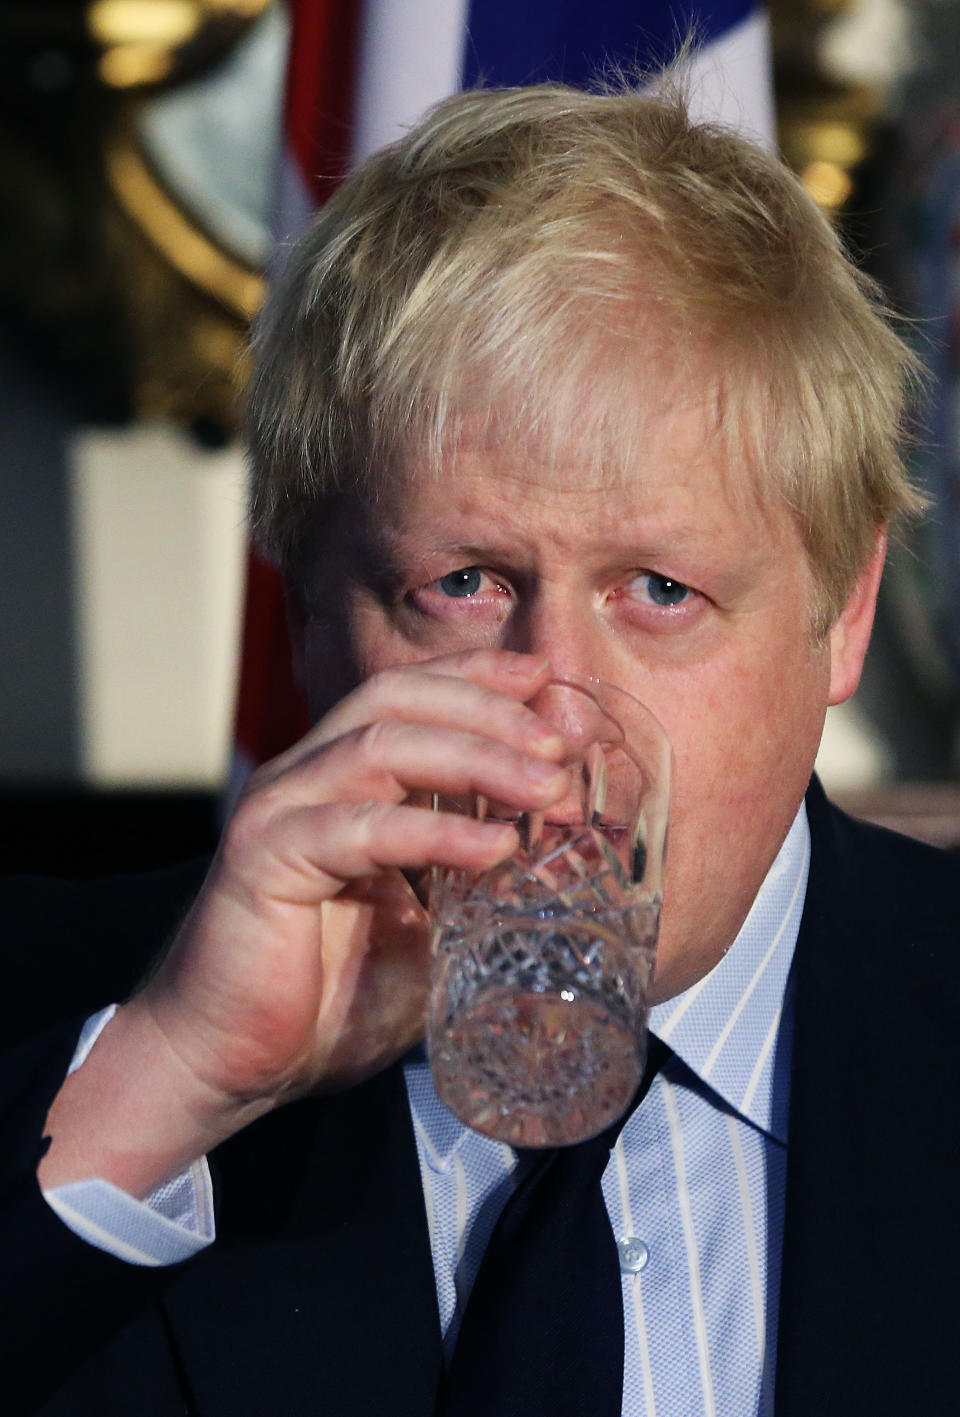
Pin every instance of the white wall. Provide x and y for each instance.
(159, 538)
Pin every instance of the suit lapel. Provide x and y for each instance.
(870, 1249)
(319, 1296)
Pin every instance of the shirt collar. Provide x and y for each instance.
(732, 1029)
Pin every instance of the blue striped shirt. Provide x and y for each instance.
(694, 1188)
(695, 1184)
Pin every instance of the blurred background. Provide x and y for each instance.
(144, 174)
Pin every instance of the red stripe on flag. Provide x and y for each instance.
(321, 78)
(321, 74)
(271, 711)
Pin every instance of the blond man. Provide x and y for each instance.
(560, 383)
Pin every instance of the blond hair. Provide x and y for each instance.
(519, 257)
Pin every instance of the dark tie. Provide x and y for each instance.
(543, 1328)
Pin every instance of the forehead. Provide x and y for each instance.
(663, 458)
(618, 379)
(624, 411)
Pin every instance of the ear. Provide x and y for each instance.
(850, 633)
(297, 626)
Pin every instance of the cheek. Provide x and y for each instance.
(330, 667)
(342, 648)
(745, 732)
(344, 651)
(744, 740)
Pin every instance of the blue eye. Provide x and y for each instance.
(464, 582)
(664, 591)
(661, 591)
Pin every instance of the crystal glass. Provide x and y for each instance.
(542, 965)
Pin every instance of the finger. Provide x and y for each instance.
(319, 849)
(482, 691)
(389, 761)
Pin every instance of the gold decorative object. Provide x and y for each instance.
(130, 300)
(826, 122)
(178, 239)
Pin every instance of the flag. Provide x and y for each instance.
(271, 712)
(360, 73)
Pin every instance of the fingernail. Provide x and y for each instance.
(546, 739)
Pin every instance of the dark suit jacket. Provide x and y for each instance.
(318, 1296)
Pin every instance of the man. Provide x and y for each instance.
(558, 384)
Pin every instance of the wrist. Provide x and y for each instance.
(133, 1113)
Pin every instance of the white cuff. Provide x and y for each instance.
(132, 1230)
(172, 1224)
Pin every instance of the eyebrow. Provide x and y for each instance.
(388, 551)
(378, 560)
(385, 557)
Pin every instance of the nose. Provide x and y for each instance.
(563, 624)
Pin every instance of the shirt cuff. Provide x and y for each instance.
(173, 1223)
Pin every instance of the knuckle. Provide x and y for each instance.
(388, 682)
(368, 821)
(245, 829)
(260, 778)
(488, 754)
(260, 813)
(374, 741)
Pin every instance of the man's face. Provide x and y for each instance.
(697, 602)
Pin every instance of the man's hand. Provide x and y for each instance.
(303, 964)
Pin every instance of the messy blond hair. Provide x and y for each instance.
(520, 259)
